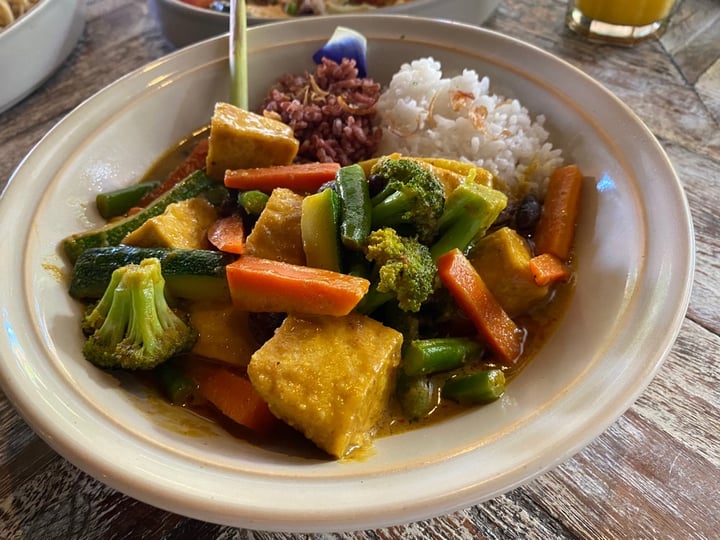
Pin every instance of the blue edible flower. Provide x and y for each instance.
(345, 43)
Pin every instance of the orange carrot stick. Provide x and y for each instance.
(299, 177)
(468, 289)
(556, 229)
(265, 285)
(194, 162)
(228, 234)
(547, 269)
(232, 394)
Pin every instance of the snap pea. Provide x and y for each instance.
(117, 202)
(475, 389)
(352, 188)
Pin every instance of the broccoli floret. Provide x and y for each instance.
(405, 268)
(411, 197)
(132, 326)
(469, 212)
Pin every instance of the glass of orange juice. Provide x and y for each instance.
(625, 22)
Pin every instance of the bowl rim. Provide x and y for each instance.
(264, 518)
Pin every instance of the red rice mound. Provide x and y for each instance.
(331, 111)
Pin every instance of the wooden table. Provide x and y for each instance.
(654, 474)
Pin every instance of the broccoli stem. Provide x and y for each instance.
(389, 208)
(469, 212)
(459, 234)
(475, 389)
(373, 299)
(427, 356)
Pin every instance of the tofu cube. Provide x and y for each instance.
(329, 377)
(277, 234)
(502, 258)
(183, 224)
(240, 139)
(223, 333)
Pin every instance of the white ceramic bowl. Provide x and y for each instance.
(35, 45)
(634, 247)
(183, 24)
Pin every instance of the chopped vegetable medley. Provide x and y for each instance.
(345, 301)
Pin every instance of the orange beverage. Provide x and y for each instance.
(623, 22)
(626, 12)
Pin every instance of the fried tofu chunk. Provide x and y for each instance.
(223, 333)
(277, 234)
(183, 224)
(329, 377)
(502, 258)
(240, 139)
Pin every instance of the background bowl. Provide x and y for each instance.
(35, 45)
(183, 24)
(635, 260)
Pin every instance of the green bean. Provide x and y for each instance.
(475, 389)
(427, 356)
(418, 396)
(252, 201)
(177, 386)
(117, 202)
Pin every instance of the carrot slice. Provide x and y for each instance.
(264, 285)
(194, 162)
(300, 177)
(232, 394)
(228, 234)
(468, 289)
(556, 229)
(547, 269)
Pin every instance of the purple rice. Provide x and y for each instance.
(332, 112)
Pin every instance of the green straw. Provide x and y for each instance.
(238, 54)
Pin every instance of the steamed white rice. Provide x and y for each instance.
(424, 114)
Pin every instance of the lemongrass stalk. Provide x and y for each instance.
(238, 54)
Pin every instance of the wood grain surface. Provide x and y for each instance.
(655, 473)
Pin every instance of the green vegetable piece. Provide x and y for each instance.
(434, 355)
(218, 195)
(178, 387)
(418, 396)
(194, 274)
(373, 299)
(413, 198)
(253, 201)
(291, 8)
(404, 266)
(117, 202)
(113, 233)
(319, 225)
(476, 389)
(469, 212)
(132, 326)
(352, 189)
